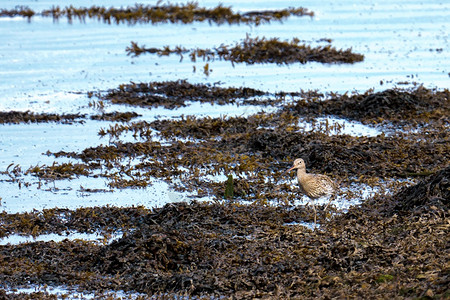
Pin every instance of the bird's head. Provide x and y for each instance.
(298, 164)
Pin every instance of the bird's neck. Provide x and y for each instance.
(301, 173)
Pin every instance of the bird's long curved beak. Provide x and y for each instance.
(288, 170)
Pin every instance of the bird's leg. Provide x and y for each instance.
(315, 214)
(329, 202)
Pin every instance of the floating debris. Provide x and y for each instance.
(167, 13)
(258, 50)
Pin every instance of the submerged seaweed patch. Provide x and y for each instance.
(19, 10)
(166, 13)
(103, 220)
(258, 50)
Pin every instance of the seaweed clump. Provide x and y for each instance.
(172, 94)
(17, 117)
(59, 171)
(259, 50)
(22, 11)
(428, 194)
(102, 220)
(116, 116)
(167, 13)
(418, 105)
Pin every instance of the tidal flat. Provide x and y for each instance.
(143, 149)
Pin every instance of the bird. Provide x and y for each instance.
(313, 185)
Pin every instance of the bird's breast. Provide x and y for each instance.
(316, 186)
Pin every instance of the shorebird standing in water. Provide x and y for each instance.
(313, 185)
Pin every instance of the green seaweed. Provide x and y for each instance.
(229, 188)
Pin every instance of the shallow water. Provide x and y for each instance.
(63, 292)
(398, 40)
(94, 237)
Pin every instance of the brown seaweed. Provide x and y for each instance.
(418, 105)
(166, 13)
(172, 94)
(17, 117)
(258, 50)
(116, 116)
